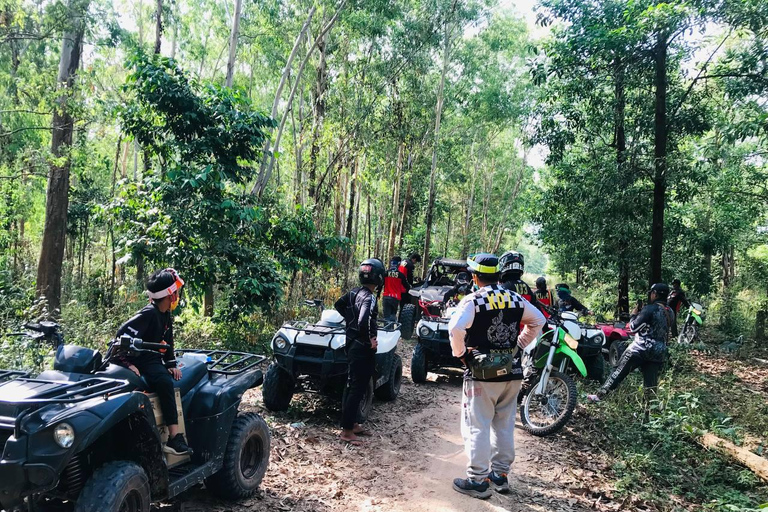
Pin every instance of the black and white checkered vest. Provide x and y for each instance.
(498, 313)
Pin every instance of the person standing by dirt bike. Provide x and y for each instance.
(395, 285)
(676, 299)
(487, 332)
(360, 312)
(567, 302)
(154, 324)
(511, 267)
(650, 326)
(544, 296)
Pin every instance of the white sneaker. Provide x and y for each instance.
(593, 399)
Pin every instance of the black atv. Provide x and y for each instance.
(87, 436)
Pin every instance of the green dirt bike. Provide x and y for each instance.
(548, 395)
(693, 321)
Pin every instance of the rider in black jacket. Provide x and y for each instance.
(675, 301)
(649, 348)
(360, 311)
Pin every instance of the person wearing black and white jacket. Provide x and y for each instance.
(154, 324)
(487, 332)
(360, 312)
(650, 327)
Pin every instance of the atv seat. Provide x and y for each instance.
(192, 371)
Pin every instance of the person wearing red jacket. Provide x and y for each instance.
(395, 285)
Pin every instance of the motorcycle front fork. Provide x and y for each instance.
(542, 385)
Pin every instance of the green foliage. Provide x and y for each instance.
(193, 214)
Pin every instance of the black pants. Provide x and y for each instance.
(674, 325)
(362, 364)
(649, 361)
(390, 308)
(160, 382)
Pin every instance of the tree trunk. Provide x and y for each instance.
(395, 201)
(321, 84)
(620, 141)
(435, 147)
(468, 215)
(159, 26)
(404, 217)
(660, 141)
(208, 303)
(57, 197)
(269, 157)
(233, 42)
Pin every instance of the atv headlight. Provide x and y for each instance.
(425, 332)
(64, 435)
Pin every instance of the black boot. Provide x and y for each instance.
(177, 445)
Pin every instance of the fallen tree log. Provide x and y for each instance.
(757, 464)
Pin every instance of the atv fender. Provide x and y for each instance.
(383, 366)
(577, 361)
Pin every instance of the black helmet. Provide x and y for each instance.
(541, 283)
(372, 272)
(661, 290)
(511, 261)
(483, 263)
(463, 278)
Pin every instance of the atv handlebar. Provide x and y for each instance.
(126, 342)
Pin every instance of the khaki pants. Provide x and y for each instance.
(488, 426)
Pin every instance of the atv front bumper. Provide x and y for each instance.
(312, 360)
(439, 348)
(19, 478)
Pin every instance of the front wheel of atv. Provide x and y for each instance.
(419, 364)
(120, 486)
(366, 404)
(391, 388)
(407, 321)
(614, 352)
(245, 459)
(595, 367)
(277, 389)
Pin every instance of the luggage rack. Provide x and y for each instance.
(8, 375)
(324, 330)
(227, 362)
(60, 392)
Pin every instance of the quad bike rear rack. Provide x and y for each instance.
(59, 392)
(8, 375)
(227, 362)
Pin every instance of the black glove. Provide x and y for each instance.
(470, 355)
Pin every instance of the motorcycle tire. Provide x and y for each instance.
(565, 404)
(407, 321)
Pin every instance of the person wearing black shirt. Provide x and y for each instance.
(360, 311)
(154, 324)
(459, 290)
(650, 326)
(568, 302)
(675, 301)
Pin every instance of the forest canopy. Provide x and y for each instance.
(264, 148)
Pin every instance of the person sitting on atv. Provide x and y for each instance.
(462, 287)
(568, 302)
(360, 311)
(395, 285)
(676, 299)
(511, 267)
(650, 326)
(154, 324)
(544, 296)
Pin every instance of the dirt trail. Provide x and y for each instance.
(410, 463)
